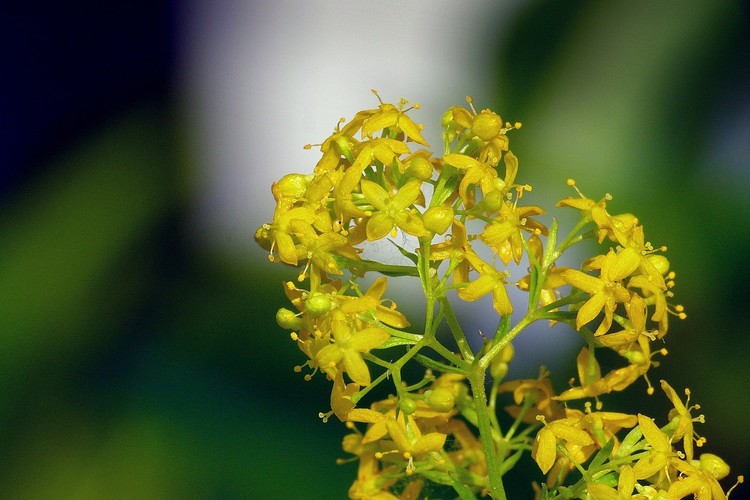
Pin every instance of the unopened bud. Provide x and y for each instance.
(318, 304)
(714, 465)
(288, 319)
(438, 219)
(440, 399)
(419, 168)
(487, 125)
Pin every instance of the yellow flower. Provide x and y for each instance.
(634, 328)
(279, 232)
(541, 393)
(660, 453)
(703, 485)
(453, 248)
(504, 235)
(409, 440)
(592, 382)
(372, 483)
(388, 116)
(348, 345)
(606, 291)
(319, 249)
(681, 412)
(341, 397)
(624, 491)
(544, 451)
(482, 174)
(371, 301)
(489, 280)
(393, 209)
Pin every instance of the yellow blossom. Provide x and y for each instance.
(477, 173)
(372, 483)
(541, 393)
(504, 235)
(544, 451)
(489, 280)
(606, 291)
(681, 412)
(371, 301)
(410, 441)
(348, 345)
(624, 491)
(703, 485)
(389, 116)
(393, 209)
(658, 456)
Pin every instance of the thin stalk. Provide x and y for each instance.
(491, 456)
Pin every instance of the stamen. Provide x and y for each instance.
(740, 480)
(325, 416)
(572, 183)
(471, 104)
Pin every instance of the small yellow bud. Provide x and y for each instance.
(407, 405)
(487, 125)
(419, 168)
(499, 364)
(440, 399)
(318, 304)
(494, 199)
(498, 369)
(438, 219)
(714, 465)
(288, 319)
(290, 186)
(660, 263)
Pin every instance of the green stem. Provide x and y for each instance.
(456, 330)
(491, 456)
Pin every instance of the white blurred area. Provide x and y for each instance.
(262, 79)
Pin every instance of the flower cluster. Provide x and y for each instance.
(376, 180)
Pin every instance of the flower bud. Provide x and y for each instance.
(419, 168)
(438, 219)
(487, 125)
(440, 399)
(407, 405)
(714, 465)
(290, 186)
(660, 263)
(499, 364)
(317, 304)
(494, 199)
(288, 319)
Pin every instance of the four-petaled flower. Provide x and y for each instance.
(393, 209)
(349, 343)
(605, 291)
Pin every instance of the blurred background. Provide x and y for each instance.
(139, 356)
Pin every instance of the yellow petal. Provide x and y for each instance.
(599, 491)
(624, 263)
(590, 309)
(582, 281)
(570, 434)
(500, 300)
(379, 226)
(356, 367)
(375, 194)
(545, 449)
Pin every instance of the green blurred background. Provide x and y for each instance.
(139, 357)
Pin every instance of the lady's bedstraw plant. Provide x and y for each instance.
(372, 182)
